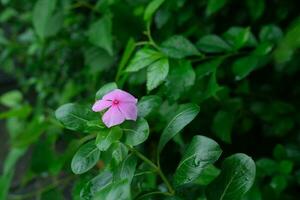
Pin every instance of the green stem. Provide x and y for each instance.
(154, 166)
(148, 33)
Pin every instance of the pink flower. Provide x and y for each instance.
(121, 104)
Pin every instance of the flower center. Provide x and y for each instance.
(115, 102)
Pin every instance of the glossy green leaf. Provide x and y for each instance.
(214, 6)
(208, 175)
(126, 169)
(151, 8)
(142, 59)
(147, 104)
(106, 137)
(236, 178)
(119, 189)
(156, 73)
(85, 158)
(183, 117)
(182, 77)
(222, 125)
(201, 152)
(108, 87)
(100, 34)
(78, 118)
(178, 47)
(213, 44)
(99, 182)
(136, 132)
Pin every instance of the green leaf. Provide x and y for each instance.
(96, 184)
(31, 134)
(151, 8)
(136, 132)
(270, 33)
(185, 114)
(85, 158)
(212, 86)
(222, 125)
(105, 89)
(147, 104)
(179, 47)
(126, 169)
(156, 73)
(239, 37)
(100, 34)
(5, 181)
(207, 68)
(43, 19)
(11, 99)
(214, 6)
(244, 66)
(117, 190)
(208, 175)
(180, 79)
(21, 112)
(201, 152)
(142, 59)
(213, 44)
(97, 59)
(77, 117)
(236, 178)
(256, 8)
(108, 136)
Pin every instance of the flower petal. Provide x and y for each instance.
(101, 105)
(129, 110)
(120, 95)
(113, 116)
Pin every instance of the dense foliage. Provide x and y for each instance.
(218, 99)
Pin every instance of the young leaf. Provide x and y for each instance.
(147, 104)
(183, 117)
(85, 158)
(178, 47)
(142, 59)
(236, 178)
(151, 8)
(77, 117)
(214, 6)
(136, 132)
(182, 77)
(156, 73)
(108, 136)
(201, 152)
(100, 34)
(213, 44)
(222, 125)
(105, 89)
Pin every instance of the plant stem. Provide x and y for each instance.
(154, 166)
(148, 33)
